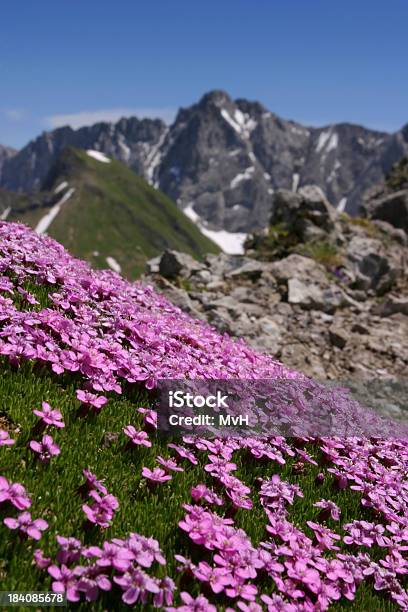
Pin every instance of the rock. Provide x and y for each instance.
(297, 266)
(399, 235)
(371, 267)
(153, 265)
(311, 296)
(173, 264)
(252, 270)
(177, 296)
(392, 208)
(317, 207)
(307, 214)
(305, 294)
(392, 305)
(338, 336)
(223, 264)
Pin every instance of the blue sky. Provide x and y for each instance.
(315, 61)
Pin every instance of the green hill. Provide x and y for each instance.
(108, 215)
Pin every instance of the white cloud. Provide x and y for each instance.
(77, 120)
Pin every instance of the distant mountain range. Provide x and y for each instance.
(221, 160)
(103, 212)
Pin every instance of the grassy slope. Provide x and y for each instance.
(116, 213)
(55, 496)
(12, 199)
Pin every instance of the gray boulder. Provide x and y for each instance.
(392, 208)
(173, 264)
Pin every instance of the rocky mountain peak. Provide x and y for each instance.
(223, 159)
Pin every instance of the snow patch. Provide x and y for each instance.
(295, 181)
(5, 213)
(46, 221)
(243, 176)
(323, 140)
(98, 156)
(333, 142)
(61, 187)
(230, 242)
(125, 149)
(241, 122)
(341, 206)
(113, 264)
(333, 172)
(154, 158)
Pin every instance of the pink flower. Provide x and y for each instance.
(40, 561)
(14, 493)
(136, 585)
(102, 510)
(198, 604)
(111, 555)
(150, 418)
(184, 453)
(26, 525)
(156, 476)
(202, 492)
(169, 464)
(216, 577)
(65, 581)
(329, 508)
(137, 437)
(45, 449)
(70, 550)
(92, 484)
(5, 439)
(90, 399)
(49, 416)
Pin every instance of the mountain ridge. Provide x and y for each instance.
(106, 214)
(225, 158)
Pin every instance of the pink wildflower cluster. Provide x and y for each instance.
(102, 505)
(85, 571)
(14, 494)
(112, 333)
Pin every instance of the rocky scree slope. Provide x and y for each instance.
(102, 212)
(223, 159)
(323, 292)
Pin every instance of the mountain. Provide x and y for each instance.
(103, 212)
(5, 153)
(222, 160)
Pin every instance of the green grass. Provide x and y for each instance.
(323, 252)
(113, 212)
(54, 487)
